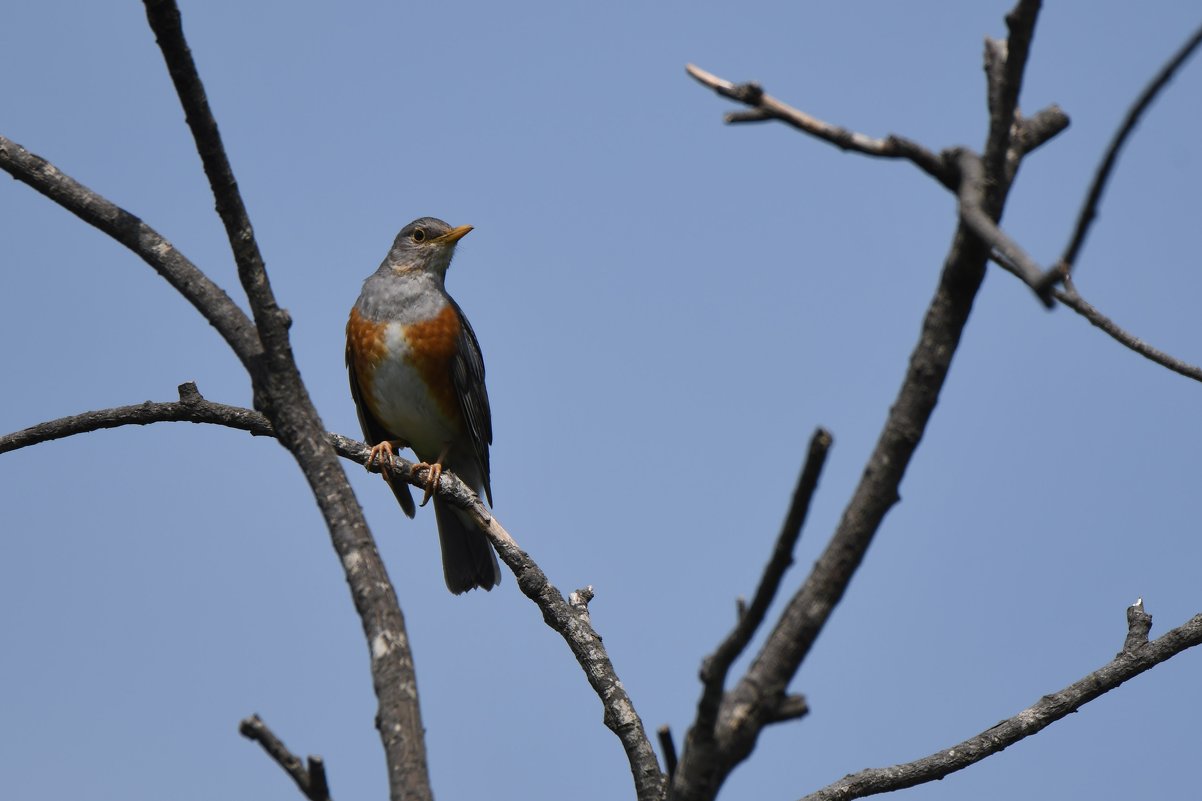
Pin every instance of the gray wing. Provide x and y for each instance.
(468, 374)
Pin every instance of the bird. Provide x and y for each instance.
(417, 380)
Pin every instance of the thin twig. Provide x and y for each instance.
(1089, 208)
(767, 107)
(1134, 659)
(715, 668)
(1070, 297)
(312, 782)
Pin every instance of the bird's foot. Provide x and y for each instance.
(432, 481)
(435, 474)
(384, 453)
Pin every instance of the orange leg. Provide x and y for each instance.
(383, 453)
(435, 474)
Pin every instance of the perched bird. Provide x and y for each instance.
(417, 378)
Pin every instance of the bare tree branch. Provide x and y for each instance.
(278, 387)
(282, 396)
(146, 243)
(1089, 208)
(971, 196)
(569, 618)
(668, 746)
(572, 623)
(769, 108)
(715, 668)
(752, 703)
(1005, 64)
(1137, 656)
(1036, 130)
(312, 782)
(1070, 297)
(956, 168)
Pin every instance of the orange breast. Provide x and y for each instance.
(432, 348)
(367, 345)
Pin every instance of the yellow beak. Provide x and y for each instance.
(454, 235)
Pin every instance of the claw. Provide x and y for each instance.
(435, 474)
(389, 458)
(431, 482)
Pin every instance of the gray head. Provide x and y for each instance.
(425, 245)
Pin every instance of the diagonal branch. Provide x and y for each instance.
(282, 396)
(957, 169)
(164, 18)
(1070, 297)
(572, 623)
(145, 242)
(748, 707)
(312, 782)
(569, 618)
(767, 107)
(971, 196)
(717, 665)
(1138, 655)
(1089, 209)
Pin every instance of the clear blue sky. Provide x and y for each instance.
(668, 307)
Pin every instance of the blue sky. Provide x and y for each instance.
(667, 307)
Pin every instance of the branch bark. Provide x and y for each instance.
(146, 243)
(750, 706)
(283, 397)
(570, 619)
(1137, 656)
(311, 781)
(1089, 209)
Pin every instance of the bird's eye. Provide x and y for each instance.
(419, 235)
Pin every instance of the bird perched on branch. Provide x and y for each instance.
(417, 378)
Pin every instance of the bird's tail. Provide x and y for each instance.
(468, 560)
(404, 496)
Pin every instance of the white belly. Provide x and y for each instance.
(404, 406)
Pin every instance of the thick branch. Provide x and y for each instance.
(283, 397)
(769, 108)
(753, 702)
(146, 243)
(164, 18)
(569, 618)
(1089, 208)
(1005, 64)
(312, 782)
(1137, 656)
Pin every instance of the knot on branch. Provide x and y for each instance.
(750, 93)
(1139, 623)
(189, 395)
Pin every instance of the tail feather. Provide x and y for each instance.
(400, 489)
(468, 560)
